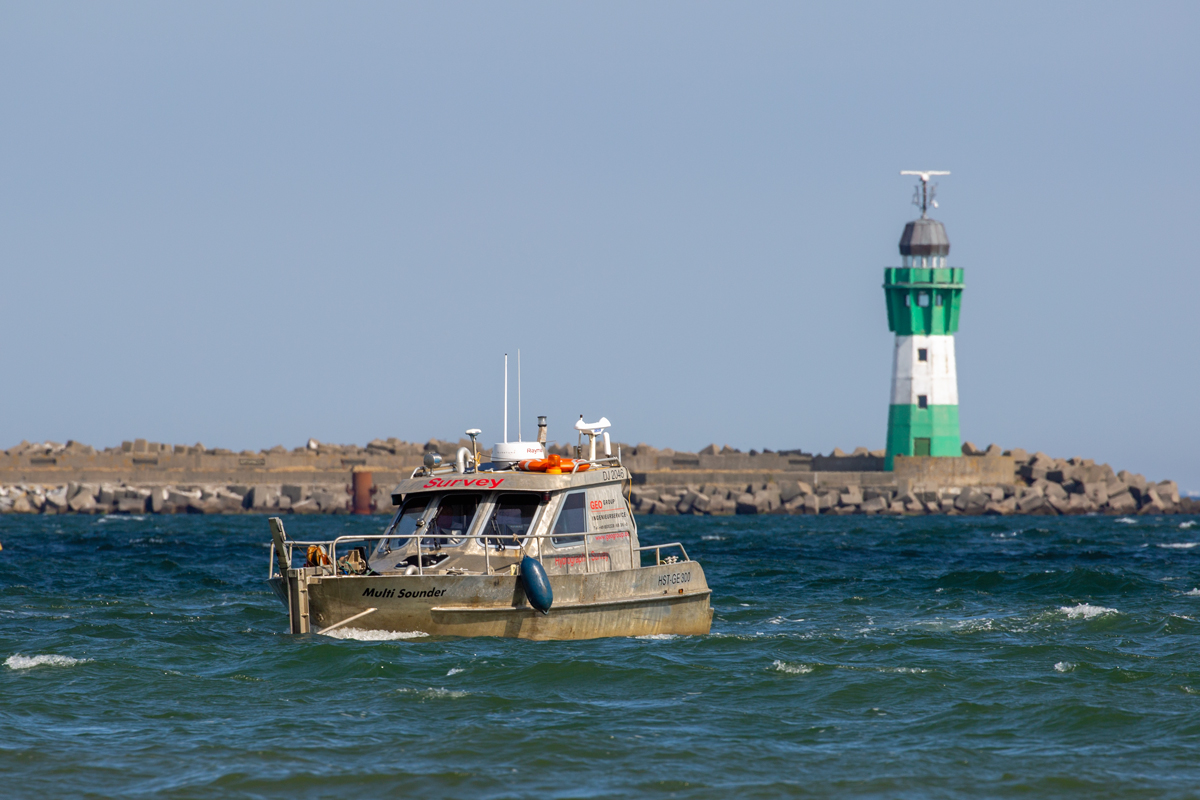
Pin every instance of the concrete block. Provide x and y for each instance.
(851, 497)
(293, 493)
(1059, 504)
(131, 505)
(1054, 491)
(746, 504)
(1031, 503)
(83, 502)
(1081, 504)
(56, 501)
(1095, 491)
(262, 497)
(789, 490)
(874, 505)
(1122, 503)
(1167, 491)
(1132, 480)
(309, 506)
(158, 499)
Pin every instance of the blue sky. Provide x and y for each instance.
(251, 223)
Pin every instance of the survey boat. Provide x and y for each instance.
(528, 545)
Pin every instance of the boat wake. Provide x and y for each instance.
(361, 635)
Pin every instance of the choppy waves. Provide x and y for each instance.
(870, 657)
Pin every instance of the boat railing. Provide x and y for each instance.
(332, 544)
(658, 548)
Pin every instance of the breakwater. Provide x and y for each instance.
(149, 477)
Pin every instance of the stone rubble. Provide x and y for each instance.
(1041, 485)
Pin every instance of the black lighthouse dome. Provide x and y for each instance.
(924, 237)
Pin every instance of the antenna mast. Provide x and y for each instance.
(506, 398)
(520, 438)
(924, 194)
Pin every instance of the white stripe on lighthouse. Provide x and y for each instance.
(936, 378)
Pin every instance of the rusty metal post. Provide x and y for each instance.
(361, 491)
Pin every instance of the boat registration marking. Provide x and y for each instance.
(673, 578)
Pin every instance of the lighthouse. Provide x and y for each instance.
(923, 300)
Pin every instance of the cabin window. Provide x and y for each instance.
(404, 524)
(922, 354)
(572, 520)
(922, 401)
(511, 520)
(920, 447)
(453, 520)
(923, 299)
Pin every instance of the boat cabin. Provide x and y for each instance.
(483, 522)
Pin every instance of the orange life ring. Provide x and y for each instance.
(554, 464)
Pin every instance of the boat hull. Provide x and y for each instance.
(663, 599)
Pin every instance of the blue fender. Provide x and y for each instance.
(537, 585)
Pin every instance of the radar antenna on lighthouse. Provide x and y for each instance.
(924, 194)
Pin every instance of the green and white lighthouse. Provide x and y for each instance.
(923, 301)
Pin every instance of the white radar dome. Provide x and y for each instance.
(505, 454)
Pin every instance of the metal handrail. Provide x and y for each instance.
(657, 548)
(333, 543)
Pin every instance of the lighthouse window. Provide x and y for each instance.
(922, 401)
(922, 354)
(937, 300)
(908, 300)
(923, 299)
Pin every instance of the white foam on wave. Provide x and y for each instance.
(1179, 545)
(1126, 520)
(29, 662)
(1191, 523)
(791, 669)
(1192, 593)
(435, 694)
(713, 538)
(1064, 666)
(360, 635)
(1086, 611)
(454, 671)
(658, 636)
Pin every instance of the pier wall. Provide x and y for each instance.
(145, 476)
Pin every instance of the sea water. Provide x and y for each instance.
(849, 657)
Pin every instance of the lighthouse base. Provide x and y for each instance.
(916, 431)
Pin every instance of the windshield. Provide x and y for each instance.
(452, 521)
(404, 524)
(512, 520)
